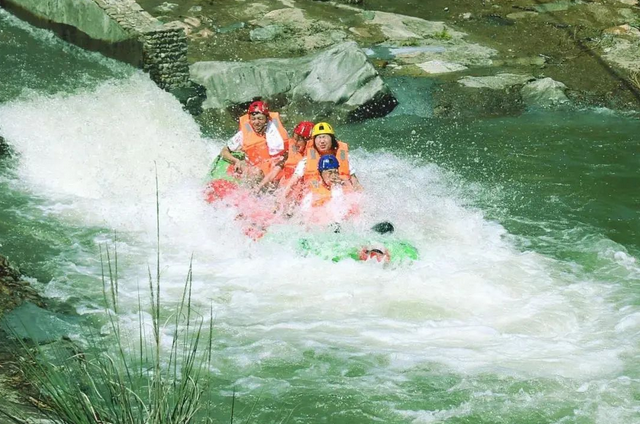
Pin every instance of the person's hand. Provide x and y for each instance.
(335, 180)
(240, 167)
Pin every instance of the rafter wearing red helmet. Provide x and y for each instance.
(262, 138)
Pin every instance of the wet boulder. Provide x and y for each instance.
(544, 93)
(13, 289)
(495, 82)
(337, 83)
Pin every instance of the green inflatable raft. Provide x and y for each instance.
(222, 170)
(376, 247)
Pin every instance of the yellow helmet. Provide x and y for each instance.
(322, 128)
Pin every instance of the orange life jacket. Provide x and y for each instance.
(255, 145)
(293, 158)
(322, 194)
(318, 214)
(311, 174)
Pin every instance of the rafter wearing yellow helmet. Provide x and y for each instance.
(322, 128)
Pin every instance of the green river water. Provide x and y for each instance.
(523, 308)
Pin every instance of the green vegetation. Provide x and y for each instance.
(634, 78)
(125, 378)
(116, 382)
(442, 35)
(410, 42)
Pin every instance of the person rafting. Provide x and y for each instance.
(323, 142)
(297, 147)
(283, 171)
(333, 199)
(263, 140)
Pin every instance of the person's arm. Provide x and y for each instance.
(288, 189)
(355, 183)
(239, 165)
(233, 145)
(295, 178)
(270, 176)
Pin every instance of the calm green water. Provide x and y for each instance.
(524, 306)
(560, 170)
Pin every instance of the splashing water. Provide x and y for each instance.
(479, 327)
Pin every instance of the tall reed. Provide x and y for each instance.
(117, 381)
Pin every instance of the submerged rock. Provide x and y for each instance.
(13, 289)
(415, 41)
(191, 97)
(495, 82)
(338, 82)
(397, 27)
(267, 33)
(290, 30)
(30, 322)
(440, 67)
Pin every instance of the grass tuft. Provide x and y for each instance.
(634, 78)
(121, 380)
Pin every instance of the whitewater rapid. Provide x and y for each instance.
(473, 302)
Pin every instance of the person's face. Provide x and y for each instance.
(300, 141)
(330, 177)
(258, 122)
(323, 142)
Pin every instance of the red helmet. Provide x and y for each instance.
(303, 129)
(258, 107)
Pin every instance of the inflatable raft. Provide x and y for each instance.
(378, 245)
(222, 180)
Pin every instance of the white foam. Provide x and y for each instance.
(473, 302)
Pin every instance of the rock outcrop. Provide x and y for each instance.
(337, 83)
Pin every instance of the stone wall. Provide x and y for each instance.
(120, 29)
(165, 56)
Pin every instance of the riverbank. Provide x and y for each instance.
(585, 51)
(523, 306)
(15, 390)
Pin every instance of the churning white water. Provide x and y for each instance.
(473, 303)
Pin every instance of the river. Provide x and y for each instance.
(523, 307)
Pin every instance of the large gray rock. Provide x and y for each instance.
(338, 83)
